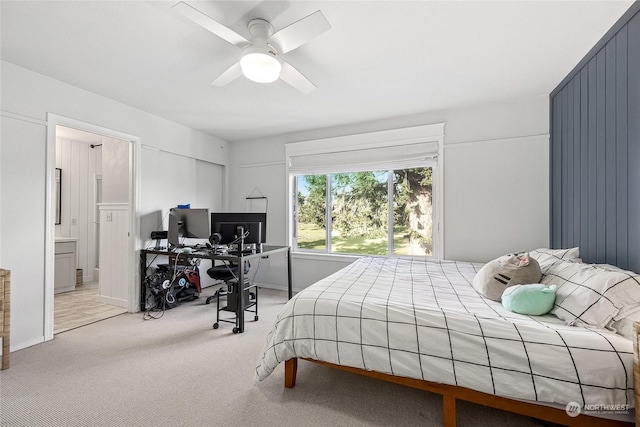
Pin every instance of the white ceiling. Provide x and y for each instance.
(381, 59)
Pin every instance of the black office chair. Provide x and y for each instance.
(228, 273)
(225, 272)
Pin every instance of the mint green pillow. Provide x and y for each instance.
(535, 299)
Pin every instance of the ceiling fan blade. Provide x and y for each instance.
(300, 32)
(228, 76)
(295, 78)
(210, 24)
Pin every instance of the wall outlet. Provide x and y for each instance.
(74, 221)
(109, 216)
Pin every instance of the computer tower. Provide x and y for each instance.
(232, 296)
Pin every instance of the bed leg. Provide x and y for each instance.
(290, 370)
(449, 410)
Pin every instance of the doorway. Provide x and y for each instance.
(79, 158)
(79, 149)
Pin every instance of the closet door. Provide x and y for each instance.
(209, 182)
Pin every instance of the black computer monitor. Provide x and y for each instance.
(226, 224)
(230, 232)
(188, 223)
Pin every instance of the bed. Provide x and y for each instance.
(420, 323)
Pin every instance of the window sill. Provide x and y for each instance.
(325, 256)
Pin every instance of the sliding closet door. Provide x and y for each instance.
(209, 184)
(171, 179)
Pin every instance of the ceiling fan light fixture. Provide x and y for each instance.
(260, 65)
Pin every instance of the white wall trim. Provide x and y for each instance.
(258, 165)
(54, 120)
(114, 206)
(176, 152)
(50, 230)
(23, 118)
(135, 168)
(317, 256)
(526, 138)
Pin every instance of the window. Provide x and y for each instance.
(359, 204)
(371, 198)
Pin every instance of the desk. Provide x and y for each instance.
(267, 250)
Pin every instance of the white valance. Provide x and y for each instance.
(386, 150)
(369, 159)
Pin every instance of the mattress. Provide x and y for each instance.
(421, 319)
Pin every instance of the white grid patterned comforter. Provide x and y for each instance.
(422, 319)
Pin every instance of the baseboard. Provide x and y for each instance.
(112, 301)
(29, 343)
(271, 286)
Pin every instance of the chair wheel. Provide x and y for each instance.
(255, 318)
(215, 325)
(236, 330)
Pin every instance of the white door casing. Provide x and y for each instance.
(133, 243)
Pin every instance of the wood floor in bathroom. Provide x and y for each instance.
(80, 307)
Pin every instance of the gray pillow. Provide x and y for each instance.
(508, 270)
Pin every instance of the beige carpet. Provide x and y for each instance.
(178, 371)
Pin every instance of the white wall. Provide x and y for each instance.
(27, 97)
(495, 191)
(496, 197)
(115, 171)
(79, 163)
(22, 227)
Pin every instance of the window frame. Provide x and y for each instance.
(352, 144)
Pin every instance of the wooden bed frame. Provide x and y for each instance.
(452, 393)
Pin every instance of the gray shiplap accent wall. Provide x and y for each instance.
(595, 151)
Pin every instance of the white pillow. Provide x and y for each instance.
(624, 326)
(547, 258)
(592, 294)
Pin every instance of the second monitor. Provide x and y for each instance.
(188, 223)
(226, 224)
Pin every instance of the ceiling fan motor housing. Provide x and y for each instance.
(260, 29)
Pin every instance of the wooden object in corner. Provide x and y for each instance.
(636, 369)
(5, 312)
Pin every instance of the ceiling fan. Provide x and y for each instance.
(261, 57)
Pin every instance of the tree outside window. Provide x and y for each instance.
(359, 205)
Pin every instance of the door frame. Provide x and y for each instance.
(135, 143)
